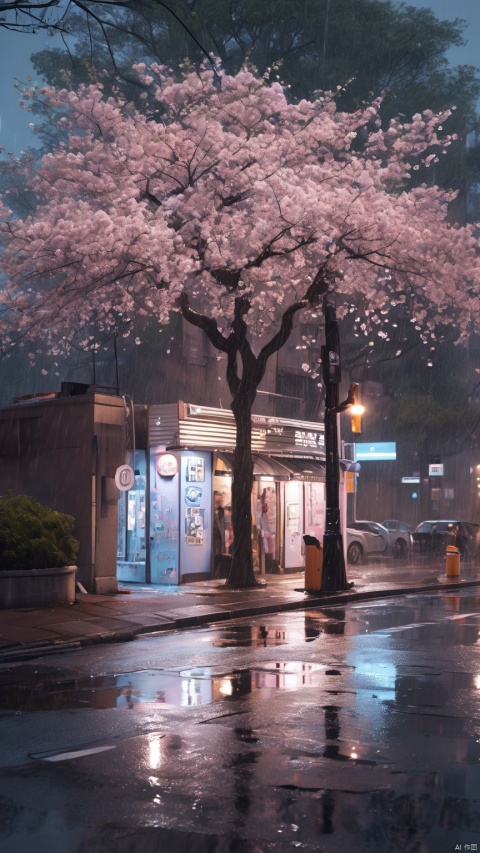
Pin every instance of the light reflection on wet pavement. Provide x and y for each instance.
(40, 689)
(351, 728)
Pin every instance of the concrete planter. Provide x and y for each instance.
(37, 588)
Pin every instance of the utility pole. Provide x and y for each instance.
(334, 576)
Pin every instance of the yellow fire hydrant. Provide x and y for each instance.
(452, 562)
(313, 564)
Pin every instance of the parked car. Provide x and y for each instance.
(434, 535)
(368, 538)
(403, 540)
(394, 524)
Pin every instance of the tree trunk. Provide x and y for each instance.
(243, 390)
(241, 573)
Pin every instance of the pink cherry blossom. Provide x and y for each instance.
(231, 191)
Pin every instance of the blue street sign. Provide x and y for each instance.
(378, 451)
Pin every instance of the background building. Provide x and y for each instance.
(64, 451)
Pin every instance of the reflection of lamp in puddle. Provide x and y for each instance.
(154, 752)
(226, 688)
(332, 723)
(332, 732)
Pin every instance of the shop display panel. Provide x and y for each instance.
(164, 521)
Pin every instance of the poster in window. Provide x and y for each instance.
(195, 472)
(194, 526)
(293, 517)
(315, 504)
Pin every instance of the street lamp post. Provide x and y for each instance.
(334, 576)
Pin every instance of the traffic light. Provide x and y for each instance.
(350, 482)
(357, 421)
(356, 409)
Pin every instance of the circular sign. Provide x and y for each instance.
(124, 478)
(167, 465)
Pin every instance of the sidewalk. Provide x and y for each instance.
(138, 609)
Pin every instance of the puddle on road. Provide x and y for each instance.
(292, 630)
(255, 637)
(458, 617)
(48, 689)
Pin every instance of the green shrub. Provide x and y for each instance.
(33, 536)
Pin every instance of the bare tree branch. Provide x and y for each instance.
(208, 324)
(278, 340)
(29, 17)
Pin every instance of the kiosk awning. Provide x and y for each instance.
(263, 466)
(279, 468)
(311, 470)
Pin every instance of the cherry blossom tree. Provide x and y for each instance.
(239, 209)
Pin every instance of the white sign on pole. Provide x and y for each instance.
(124, 478)
(435, 470)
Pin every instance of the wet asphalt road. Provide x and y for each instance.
(340, 729)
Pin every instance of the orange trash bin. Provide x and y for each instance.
(313, 564)
(452, 562)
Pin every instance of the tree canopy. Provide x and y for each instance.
(238, 208)
(376, 46)
(233, 192)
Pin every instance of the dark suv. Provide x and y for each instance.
(434, 536)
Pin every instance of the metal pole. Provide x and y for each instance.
(334, 577)
(354, 479)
